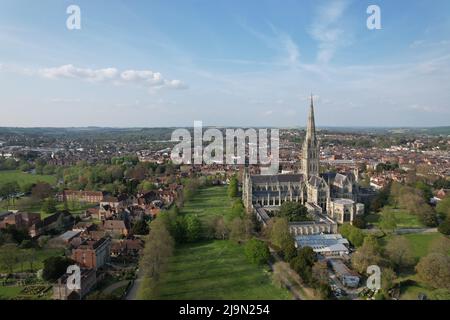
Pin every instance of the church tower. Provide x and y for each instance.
(310, 151)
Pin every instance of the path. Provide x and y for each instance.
(115, 286)
(288, 273)
(404, 230)
(134, 289)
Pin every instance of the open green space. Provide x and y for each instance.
(403, 218)
(420, 242)
(23, 259)
(23, 178)
(7, 293)
(421, 245)
(217, 270)
(208, 203)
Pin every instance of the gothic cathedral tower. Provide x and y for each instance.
(310, 151)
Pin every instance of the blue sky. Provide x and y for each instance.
(228, 63)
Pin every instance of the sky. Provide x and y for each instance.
(225, 63)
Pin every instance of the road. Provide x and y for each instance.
(288, 273)
(115, 286)
(406, 230)
(133, 291)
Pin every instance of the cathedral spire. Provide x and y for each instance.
(310, 158)
(311, 127)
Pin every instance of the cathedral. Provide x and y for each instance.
(331, 198)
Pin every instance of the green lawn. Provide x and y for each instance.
(421, 242)
(404, 219)
(217, 270)
(22, 178)
(25, 178)
(7, 293)
(208, 203)
(41, 255)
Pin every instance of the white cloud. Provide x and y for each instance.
(278, 41)
(327, 30)
(70, 71)
(145, 78)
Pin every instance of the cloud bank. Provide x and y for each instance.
(145, 78)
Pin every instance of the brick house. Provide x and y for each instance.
(80, 196)
(92, 254)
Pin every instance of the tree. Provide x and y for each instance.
(444, 227)
(288, 249)
(353, 234)
(388, 221)
(427, 216)
(140, 227)
(320, 272)
(400, 253)
(388, 278)
(359, 222)
(41, 190)
(193, 228)
(237, 230)
(425, 189)
(368, 254)
(49, 206)
(220, 228)
(9, 257)
(159, 246)
(278, 271)
(293, 211)
(302, 264)
(237, 210)
(55, 267)
(278, 229)
(233, 187)
(30, 257)
(443, 208)
(257, 251)
(434, 270)
(440, 245)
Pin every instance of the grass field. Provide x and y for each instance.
(208, 203)
(41, 255)
(403, 218)
(217, 270)
(420, 244)
(9, 292)
(24, 178)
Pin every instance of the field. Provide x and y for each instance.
(23, 178)
(420, 244)
(9, 292)
(403, 218)
(208, 203)
(40, 256)
(215, 269)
